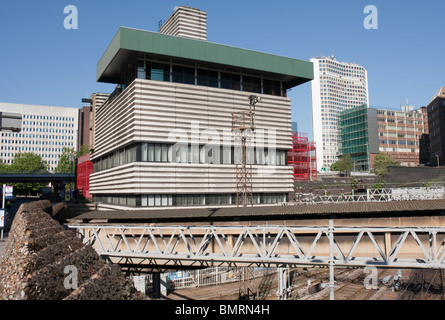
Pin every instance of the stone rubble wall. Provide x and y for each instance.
(39, 258)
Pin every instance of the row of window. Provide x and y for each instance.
(40, 117)
(399, 142)
(150, 70)
(176, 153)
(186, 199)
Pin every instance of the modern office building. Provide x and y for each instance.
(365, 132)
(358, 136)
(164, 137)
(337, 86)
(436, 121)
(45, 131)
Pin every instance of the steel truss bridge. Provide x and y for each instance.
(280, 246)
(141, 248)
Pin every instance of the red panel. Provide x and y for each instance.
(84, 170)
(302, 157)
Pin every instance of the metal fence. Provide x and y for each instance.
(386, 194)
(182, 279)
(210, 276)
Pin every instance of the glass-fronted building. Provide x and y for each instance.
(357, 129)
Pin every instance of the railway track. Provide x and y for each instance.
(424, 284)
(413, 284)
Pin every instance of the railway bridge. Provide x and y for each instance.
(399, 234)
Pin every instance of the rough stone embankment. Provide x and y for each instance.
(44, 261)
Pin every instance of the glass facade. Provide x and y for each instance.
(185, 200)
(354, 136)
(174, 153)
(150, 69)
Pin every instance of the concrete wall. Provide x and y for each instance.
(410, 177)
(41, 260)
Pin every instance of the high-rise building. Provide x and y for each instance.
(337, 86)
(436, 122)
(164, 138)
(45, 131)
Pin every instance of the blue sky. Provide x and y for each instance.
(42, 63)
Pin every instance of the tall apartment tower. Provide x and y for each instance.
(186, 22)
(337, 86)
(164, 137)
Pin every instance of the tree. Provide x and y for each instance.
(382, 162)
(67, 159)
(27, 162)
(83, 151)
(345, 164)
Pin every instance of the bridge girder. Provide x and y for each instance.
(267, 246)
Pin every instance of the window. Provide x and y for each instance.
(160, 72)
(141, 69)
(183, 75)
(230, 81)
(251, 84)
(208, 78)
(271, 87)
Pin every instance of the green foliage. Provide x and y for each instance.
(83, 151)
(67, 159)
(345, 164)
(26, 162)
(380, 183)
(382, 162)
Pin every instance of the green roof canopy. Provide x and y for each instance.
(130, 43)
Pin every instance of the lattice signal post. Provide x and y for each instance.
(243, 126)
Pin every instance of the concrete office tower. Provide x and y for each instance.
(164, 137)
(45, 131)
(400, 133)
(337, 86)
(186, 22)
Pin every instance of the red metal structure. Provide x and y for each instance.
(302, 157)
(84, 169)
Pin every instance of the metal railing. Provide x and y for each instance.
(375, 195)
